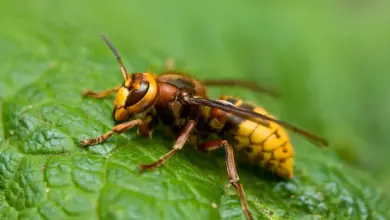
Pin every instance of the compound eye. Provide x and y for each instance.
(137, 94)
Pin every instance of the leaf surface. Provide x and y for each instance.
(49, 57)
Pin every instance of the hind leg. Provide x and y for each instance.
(231, 170)
(250, 85)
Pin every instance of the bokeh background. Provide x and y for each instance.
(330, 60)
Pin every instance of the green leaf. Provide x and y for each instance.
(318, 57)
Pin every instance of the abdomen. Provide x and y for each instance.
(262, 143)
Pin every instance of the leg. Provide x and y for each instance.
(240, 83)
(149, 123)
(231, 169)
(102, 94)
(169, 64)
(117, 129)
(181, 140)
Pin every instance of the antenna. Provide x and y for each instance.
(118, 58)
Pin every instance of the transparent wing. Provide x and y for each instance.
(321, 142)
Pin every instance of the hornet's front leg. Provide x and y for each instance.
(120, 128)
(102, 94)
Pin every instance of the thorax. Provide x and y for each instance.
(173, 115)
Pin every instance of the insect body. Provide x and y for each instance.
(262, 143)
(180, 104)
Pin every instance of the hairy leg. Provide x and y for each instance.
(180, 141)
(250, 85)
(102, 94)
(231, 170)
(116, 129)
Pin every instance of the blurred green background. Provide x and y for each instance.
(329, 59)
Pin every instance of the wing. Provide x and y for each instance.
(253, 115)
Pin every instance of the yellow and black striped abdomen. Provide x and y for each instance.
(259, 142)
